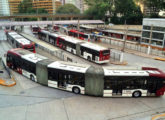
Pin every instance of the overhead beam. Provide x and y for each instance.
(59, 22)
(45, 15)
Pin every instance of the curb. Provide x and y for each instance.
(10, 73)
(158, 58)
(119, 63)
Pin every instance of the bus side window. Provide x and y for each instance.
(52, 75)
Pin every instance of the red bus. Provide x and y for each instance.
(86, 50)
(134, 83)
(120, 35)
(35, 29)
(18, 41)
(85, 79)
(80, 35)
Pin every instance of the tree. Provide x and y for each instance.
(119, 11)
(68, 9)
(155, 5)
(129, 12)
(98, 8)
(26, 7)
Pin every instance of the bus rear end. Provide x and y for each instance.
(104, 56)
(30, 47)
(35, 29)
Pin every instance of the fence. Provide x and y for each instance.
(132, 46)
(58, 53)
(115, 56)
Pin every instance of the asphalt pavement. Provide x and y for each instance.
(31, 101)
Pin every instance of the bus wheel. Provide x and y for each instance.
(136, 94)
(32, 78)
(76, 90)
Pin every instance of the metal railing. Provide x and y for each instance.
(133, 46)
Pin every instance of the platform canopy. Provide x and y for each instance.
(62, 22)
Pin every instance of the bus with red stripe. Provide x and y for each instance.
(87, 50)
(86, 79)
(80, 35)
(18, 41)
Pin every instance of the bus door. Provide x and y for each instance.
(152, 85)
(62, 82)
(117, 87)
(93, 57)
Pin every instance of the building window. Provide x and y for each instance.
(156, 35)
(146, 34)
(146, 27)
(159, 28)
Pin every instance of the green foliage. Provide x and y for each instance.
(157, 5)
(154, 5)
(120, 11)
(68, 9)
(25, 7)
(98, 8)
(129, 15)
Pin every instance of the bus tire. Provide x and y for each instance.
(76, 90)
(32, 78)
(136, 94)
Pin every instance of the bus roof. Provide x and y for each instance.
(110, 72)
(15, 35)
(75, 67)
(87, 27)
(19, 51)
(70, 39)
(19, 38)
(54, 34)
(121, 32)
(23, 41)
(76, 31)
(12, 33)
(93, 46)
(33, 57)
(44, 31)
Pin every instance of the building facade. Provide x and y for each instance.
(13, 5)
(46, 4)
(156, 28)
(4, 7)
(49, 5)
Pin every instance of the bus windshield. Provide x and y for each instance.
(106, 52)
(29, 47)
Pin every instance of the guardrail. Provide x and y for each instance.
(132, 46)
(58, 53)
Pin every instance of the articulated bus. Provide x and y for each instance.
(86, 50)
(18, 41)
(86, 79)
